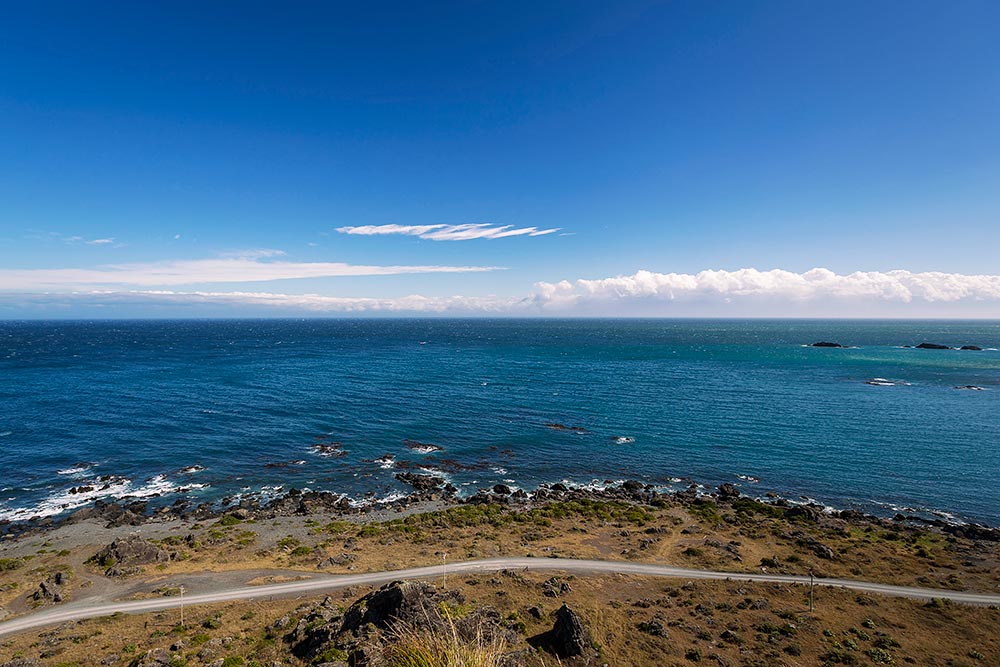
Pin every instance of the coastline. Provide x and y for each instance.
(432, 492)
(305, 536)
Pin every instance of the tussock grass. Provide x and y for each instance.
(442, 645)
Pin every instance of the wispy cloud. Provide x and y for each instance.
(73, 239)
(414, 303)
(249, 266)
(464, 232)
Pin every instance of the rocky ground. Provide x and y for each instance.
(518, 617)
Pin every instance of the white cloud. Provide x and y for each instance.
(464, 232)
(742, 293)
(100, 241)
(247, 267)
(899, 285)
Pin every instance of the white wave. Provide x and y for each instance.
(749, 478)
(386, 462)
(76, 469)
(424, 449)
(115, 488)
(188, 470)
(623, 440)
(62, 501)
(6, 433)
(500, 471)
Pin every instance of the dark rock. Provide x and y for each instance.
(632, 486)
(728, 491)
(421, 482)
(535, 612)
(823, 551)
(501, 489)
(974, 531)
(970, 387)
(315, 632)
(653, 627)
(804, 512)
(414, 603)
(570, 637)
(20, 662)
(824, 343)
(50, 590)
(974, 348)
(553, 587)
(932, 346)
(563, 427)
(127, 553)
(157, 657)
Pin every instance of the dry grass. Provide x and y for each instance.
(443, 646)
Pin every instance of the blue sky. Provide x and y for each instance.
(692, 158)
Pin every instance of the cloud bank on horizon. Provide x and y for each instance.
(464, 232)
(711, 293)
(245, 266)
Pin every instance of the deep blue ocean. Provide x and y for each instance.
(207, 409)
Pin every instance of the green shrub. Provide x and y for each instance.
(8, 564)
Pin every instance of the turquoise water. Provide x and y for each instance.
(660, 400)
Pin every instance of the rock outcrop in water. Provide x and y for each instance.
(825, 343)
(932, 346)
(974, 348)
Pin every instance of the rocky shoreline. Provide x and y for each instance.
(434, 491)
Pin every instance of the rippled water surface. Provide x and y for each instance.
(131, 405)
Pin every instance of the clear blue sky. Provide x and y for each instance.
(671, 137)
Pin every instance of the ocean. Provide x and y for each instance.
(211, 409)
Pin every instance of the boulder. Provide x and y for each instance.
(125, 554)
(421, 482)
(633, 486)
(932, 346)
(728, 491)
(974, 531)
(570, 637)
(315, 632)
(51, 589)
(553, 587)
(414, 603)
(157, 657)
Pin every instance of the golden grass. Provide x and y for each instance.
(443, 646)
